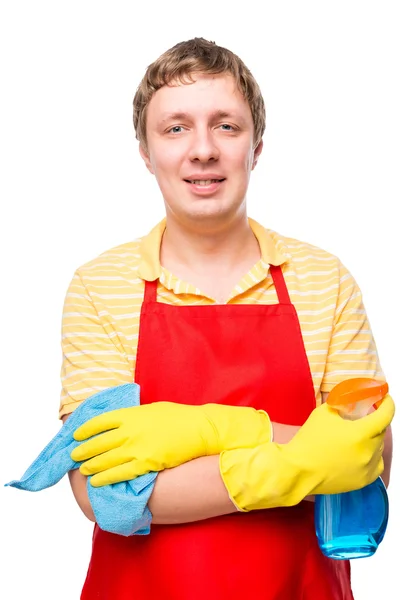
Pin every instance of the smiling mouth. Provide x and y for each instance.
(203, 182)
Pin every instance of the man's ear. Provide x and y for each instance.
(145, 155)
(257, 153)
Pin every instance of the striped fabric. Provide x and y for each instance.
(102, 309)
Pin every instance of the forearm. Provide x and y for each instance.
(191, 492)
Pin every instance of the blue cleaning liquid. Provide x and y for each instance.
(352, 525)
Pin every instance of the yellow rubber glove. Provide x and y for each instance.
(328, 455)
(162, 435)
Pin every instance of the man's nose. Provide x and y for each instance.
(203, 147)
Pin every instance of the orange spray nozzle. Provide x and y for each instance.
(347, 394)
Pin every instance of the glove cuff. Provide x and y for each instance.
(262, 477)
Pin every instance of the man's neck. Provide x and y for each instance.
(205, 252)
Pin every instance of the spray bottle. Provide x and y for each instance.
(352, 524)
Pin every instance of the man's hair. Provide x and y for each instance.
(196, 56)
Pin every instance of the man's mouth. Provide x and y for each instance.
(204, 181)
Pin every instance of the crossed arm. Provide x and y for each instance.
(194, 490)
(190, 492)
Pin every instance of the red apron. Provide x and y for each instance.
(247, 355)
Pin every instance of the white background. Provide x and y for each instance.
(73, 185)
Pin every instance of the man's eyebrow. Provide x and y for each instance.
(217, 114)
(174, 116)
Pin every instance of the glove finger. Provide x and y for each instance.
(104, 422)
(124, 472)
(98, 445)
(378, 421)
(107, 460)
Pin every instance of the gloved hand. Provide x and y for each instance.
(162, 435)
(328, 455)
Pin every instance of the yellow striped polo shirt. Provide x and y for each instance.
(102, 308)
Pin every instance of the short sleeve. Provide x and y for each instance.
(352, 350)
(93, 356)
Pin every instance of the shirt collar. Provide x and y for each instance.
(149, 267)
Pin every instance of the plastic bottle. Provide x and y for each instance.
(352, 525)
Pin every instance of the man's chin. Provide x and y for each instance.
(208, 217)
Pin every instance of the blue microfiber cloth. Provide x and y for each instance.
(120, 507)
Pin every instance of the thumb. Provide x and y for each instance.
(380, 419)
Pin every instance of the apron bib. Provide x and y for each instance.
(244, 355)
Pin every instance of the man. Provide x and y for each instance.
(236, 335)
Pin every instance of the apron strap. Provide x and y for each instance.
(150, 291)
(280, 285)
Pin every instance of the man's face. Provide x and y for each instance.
(200, 141)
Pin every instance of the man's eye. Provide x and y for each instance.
(175, 128)
(224, 125)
